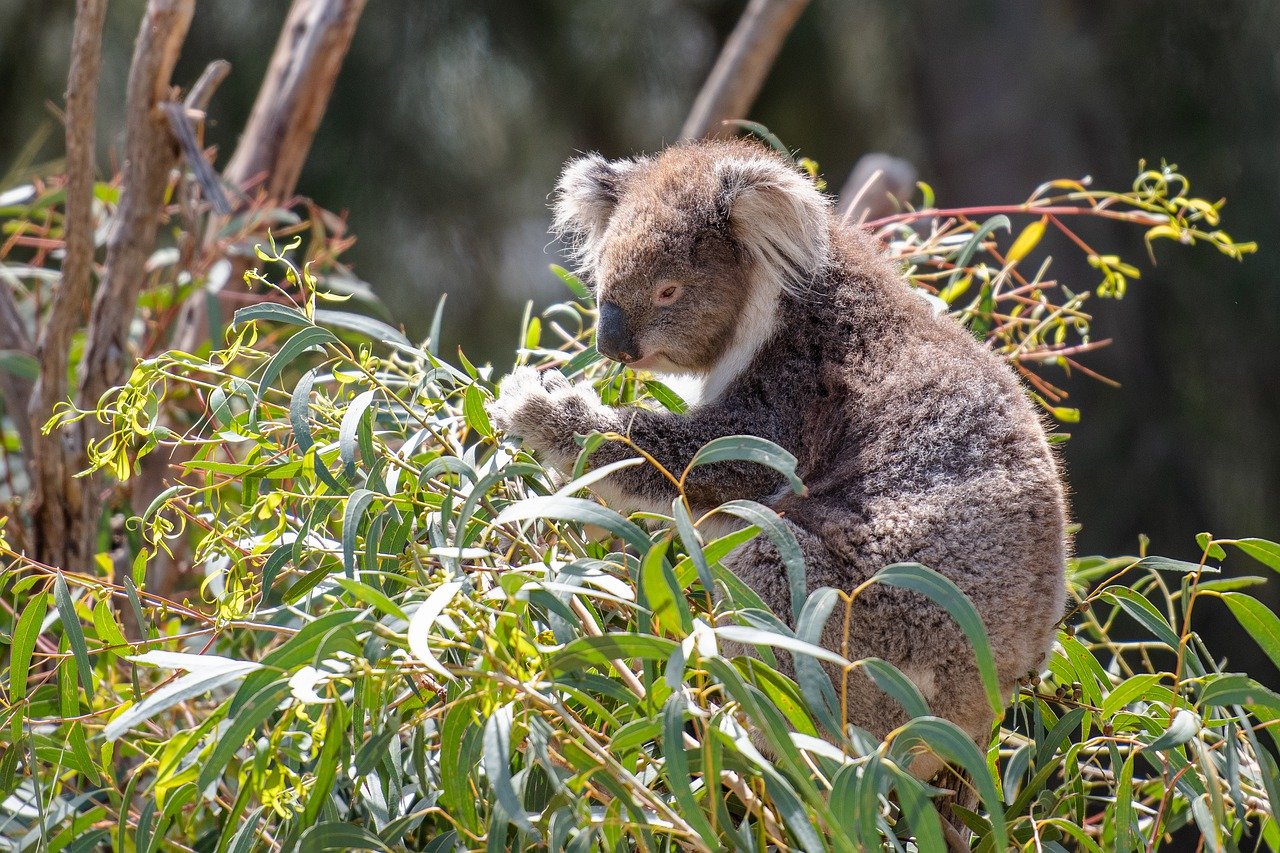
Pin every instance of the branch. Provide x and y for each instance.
(286, 113)
(180, 126)
(299, 81)
(56, 496)
(150, 155)
(210, 79)
(13, 336)
(742, 66)
(876, 187)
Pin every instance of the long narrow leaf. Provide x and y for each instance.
(75, 634)
(24, 643)
(942, 592)
(497, 767)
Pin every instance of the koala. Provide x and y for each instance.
(720, 260)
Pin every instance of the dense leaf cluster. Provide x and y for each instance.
(408, 635)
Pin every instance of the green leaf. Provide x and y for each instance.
(575, 509)
(946, 740)
(458, 755)
(676, 769)
(1232, 584)
(966, 254)
(207, 672)
(571, 281)
(782, 538)
(794, 816)
(1186, 725)
(373, 329)
(715, 551)
(758, 637)
(297, 650)
(24, 643)
(473, 410)
(1238, 689)
(351, 516)
(246, 833)
(496, 760)
(749, 448)
(340, 836)
(922, 817)
(596, 651)
(1258, 620)
(771, 729)
(692, 542)
(1210, 830)
(855, 794)
(270, 312)
(424, 618)
(1212, 548)
(347, 432)
(1262, 550)
(662, 593)
(1166, 564)
(75, 636)
(1126, 824)
(312, 336)
(20, 364)
(670, 400)
(1127, 692)
(135, 603)
(373, 597)
(104, 625)
(1143, 611)
(814, 682)
(899, 688)
(944, 593)
(244, 720)
(433, 336)
(300, 411)
(373, 750)
(755, 128)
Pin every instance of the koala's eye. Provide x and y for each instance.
(667, 292)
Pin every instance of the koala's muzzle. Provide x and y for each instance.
(613, 336)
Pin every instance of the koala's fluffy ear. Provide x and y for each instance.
(585, 198)
(777, 215)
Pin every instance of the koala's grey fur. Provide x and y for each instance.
(916, 443)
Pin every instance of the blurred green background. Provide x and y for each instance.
(452, 118)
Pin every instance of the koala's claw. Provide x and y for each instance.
(544, 409)
(518, 392)
(554, 380)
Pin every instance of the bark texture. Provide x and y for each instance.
(291, 102)
(56, 501)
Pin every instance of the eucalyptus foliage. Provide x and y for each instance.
(409, 635)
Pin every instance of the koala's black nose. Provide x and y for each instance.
(613, 337)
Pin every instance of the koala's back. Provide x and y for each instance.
(922, 447)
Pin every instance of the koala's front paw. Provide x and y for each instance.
(546, 411)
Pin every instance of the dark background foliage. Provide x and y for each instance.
(452, 118)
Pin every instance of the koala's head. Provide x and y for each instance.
(689, 250)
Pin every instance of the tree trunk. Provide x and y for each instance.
(56, 501)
